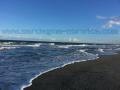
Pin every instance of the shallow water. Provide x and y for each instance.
(19, 64)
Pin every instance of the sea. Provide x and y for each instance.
(20, 64)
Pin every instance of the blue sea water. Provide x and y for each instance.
(19, 64)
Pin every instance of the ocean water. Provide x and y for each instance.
(19, 65)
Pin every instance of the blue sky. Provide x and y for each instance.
(60, 14)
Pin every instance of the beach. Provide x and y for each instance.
(100, 74)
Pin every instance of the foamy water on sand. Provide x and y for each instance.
(19, 65)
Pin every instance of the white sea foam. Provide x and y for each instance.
(68, 46)
(72, 62)
(82, 50)
(8, 47)
(15, 46)
(100, 49)
(52, 44)
(118, 49)
(35, 45)
(64, 46)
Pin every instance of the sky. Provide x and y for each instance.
(60, 14)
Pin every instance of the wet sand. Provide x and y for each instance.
(100, 74)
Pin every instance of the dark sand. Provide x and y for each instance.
(100, 74)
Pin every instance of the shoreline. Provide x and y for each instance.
(52, 69)
(61, 69)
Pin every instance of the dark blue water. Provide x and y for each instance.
(19, 64)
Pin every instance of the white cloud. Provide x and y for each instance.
(100, 17)
(111, 21)
(115, 18)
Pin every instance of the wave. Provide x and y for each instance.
(72, 62)
(100, 50)
(82, 50)
(31, 61)
(8, 47)
(68, 46)
(35, 45)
